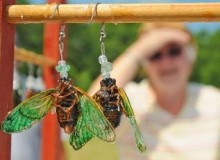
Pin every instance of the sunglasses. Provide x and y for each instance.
(172, 52)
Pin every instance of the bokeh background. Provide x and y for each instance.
(83, 50)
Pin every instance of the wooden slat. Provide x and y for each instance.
(24, 55)
(114, 13)
(6, 75)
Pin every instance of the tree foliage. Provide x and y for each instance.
(83, 49)
(83, 46)
(206, 68)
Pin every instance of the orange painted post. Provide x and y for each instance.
(50, 130)
(51, 142)
(6, 75)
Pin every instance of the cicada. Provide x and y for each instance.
(78, 114)
(114, 103)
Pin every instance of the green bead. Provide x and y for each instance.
(106, 67)
(62, 68)
(58, 68)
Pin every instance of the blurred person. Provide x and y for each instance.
(179, 120)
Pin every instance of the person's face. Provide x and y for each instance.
(169, 67)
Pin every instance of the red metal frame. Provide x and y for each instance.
(6, 75)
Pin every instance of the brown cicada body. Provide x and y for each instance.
(114, 103)
(66, 100)
(110, 100)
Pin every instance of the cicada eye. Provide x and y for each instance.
(63, 79)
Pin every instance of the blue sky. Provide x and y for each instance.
(195, 27)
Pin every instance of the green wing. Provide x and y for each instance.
(81, 135)
(130, 114)
(94, 119)
(28, 113)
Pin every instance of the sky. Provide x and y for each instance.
(194, 27)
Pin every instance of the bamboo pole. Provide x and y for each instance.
(114, 13)
(32, 57)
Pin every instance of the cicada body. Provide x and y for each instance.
(114, 103)
(78, 114)
(66, 100)
(109, 99)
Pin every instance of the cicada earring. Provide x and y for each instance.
(78, 114)
(17, 95)
(34, 85)
(112, 99)
(30, 82)
(39, 81)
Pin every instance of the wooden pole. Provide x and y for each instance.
(114, 13)
(24, 55)
(52, 148)
(6, 75)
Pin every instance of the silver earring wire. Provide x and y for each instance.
(102, 39)
(30, 69)
(94, 13)
(55, 10)
(62, 35)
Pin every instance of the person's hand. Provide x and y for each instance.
(152, 41)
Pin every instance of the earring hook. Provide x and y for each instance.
(106, 66)
(102, 38)
(55, 10)
(94, 13)
(62, 35)
(30, 69)
(62, 68)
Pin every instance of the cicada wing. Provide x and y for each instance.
(28, 113)
(94, 119)
(130, 114)
(81, 135)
